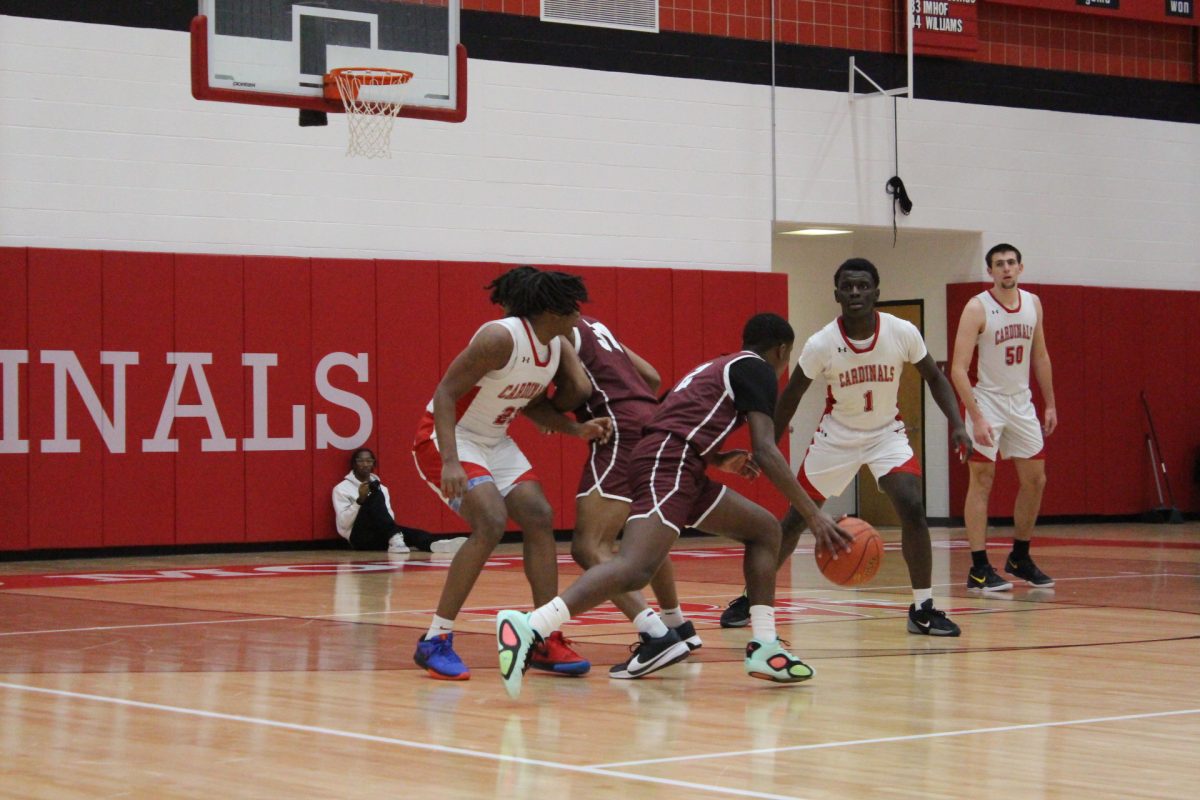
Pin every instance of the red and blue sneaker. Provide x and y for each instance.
(438, 658)
(554, 654)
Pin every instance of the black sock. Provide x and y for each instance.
(979, 559)
(1020, 549)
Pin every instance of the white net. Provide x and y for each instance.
(372, 99)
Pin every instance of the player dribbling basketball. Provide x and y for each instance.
(861, 355)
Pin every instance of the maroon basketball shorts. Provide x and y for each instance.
(607, 467)
(669, 482)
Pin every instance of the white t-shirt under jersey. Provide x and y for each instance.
(1005, 344)
(864, 379)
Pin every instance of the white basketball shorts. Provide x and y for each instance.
(1015, 427)
(838, 452)
(502, 463)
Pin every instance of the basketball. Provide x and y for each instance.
(861, 563)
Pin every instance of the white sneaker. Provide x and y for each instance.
(447, 545)
(396, 544)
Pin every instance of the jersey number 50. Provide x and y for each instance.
(1014, 354)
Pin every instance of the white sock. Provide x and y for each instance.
(921, 595)
(762, 622)
(672, 617)
(549, 618)
(649, 623)
(439, 626)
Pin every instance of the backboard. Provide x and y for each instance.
(277, 52)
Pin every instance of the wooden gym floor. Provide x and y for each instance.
(290, 675)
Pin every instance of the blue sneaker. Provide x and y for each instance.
(438, 658)
(515, 640)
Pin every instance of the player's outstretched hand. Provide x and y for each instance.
(596, 430)
(960, 442)
(829, 536)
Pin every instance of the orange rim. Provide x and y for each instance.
(363, 76)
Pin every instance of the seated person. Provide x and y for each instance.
(364, 514)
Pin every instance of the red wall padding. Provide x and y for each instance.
(210, 486)
(410, 318)
(1107, 346)
(14, 466)
(278, 310)
(65, 497)
(407, 366)
(346, 313)
(138, 305)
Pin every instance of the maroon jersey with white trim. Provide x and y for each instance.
(615, 380)
(700, 409)
(1005, 343)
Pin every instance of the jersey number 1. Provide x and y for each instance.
(868, 401)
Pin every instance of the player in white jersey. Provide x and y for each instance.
(861, 355)
(1004, 324)
(463, 450)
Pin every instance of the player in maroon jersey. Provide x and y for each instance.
(671, 491)
(624, 387)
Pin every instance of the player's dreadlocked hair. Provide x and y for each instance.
(526, 292)
(507, 286)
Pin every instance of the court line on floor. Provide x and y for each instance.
(834, 595)
(144, 625)
(908, 738)
(366, 737)
(1122, 576)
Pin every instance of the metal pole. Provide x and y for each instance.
(912, 92)
(1154, 471)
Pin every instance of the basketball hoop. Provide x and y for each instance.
(372, 98)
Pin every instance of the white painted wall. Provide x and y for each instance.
(102, 146)
(1102, 201)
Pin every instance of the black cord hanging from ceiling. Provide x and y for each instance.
(895, 186)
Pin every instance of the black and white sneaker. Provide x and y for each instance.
(650, 655)
(687, 633)
(1027, 571)
(737, 614)
(986, 579)
(928, 621)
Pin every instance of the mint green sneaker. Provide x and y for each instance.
(771, 662)
(514, 641)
